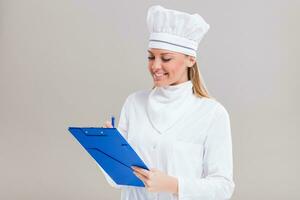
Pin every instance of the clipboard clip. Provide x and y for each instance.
(93, 133)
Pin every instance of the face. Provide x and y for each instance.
(168, 67)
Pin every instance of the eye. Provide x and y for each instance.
(163, 59)
(166, 60)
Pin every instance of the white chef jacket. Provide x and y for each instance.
(185, 136)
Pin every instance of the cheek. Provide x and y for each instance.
(176, 69)
(149, 66)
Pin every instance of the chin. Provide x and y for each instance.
(160, 83)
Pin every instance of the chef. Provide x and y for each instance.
(181, 133)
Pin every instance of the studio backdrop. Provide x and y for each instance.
(73, 63)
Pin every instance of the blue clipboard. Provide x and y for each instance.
(112, 152)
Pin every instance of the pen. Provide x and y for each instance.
(113, 121)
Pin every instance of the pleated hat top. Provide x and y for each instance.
(175, 30)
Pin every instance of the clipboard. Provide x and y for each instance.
(112, 152)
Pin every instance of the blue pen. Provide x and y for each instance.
(113, 121)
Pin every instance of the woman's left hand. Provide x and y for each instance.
(156, 180)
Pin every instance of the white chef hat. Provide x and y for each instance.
(175, 30)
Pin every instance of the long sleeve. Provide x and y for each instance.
(122, 128)
(217, 182)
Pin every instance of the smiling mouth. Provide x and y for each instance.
(159, 76)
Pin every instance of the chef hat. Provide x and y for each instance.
(174, 30)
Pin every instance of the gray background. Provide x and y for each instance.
(73, 63)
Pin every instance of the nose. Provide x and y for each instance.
(156, 65)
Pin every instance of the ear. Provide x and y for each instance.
(190, 61)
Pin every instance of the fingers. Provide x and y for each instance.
(107, 124)
(142, 171)
(142, 178)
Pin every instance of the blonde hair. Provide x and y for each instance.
(199, 88)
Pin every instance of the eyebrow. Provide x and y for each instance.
(161, 53)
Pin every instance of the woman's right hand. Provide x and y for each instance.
(107, 124)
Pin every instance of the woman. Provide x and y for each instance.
(181, 133)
